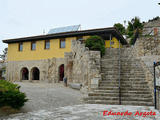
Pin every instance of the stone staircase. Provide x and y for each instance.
(134, 88)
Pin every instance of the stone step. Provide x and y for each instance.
(109, 79)
(106, 91)
(123, 82)
(139, 103)
(128, 75)
(125, 64)
(109, 102)
(117, 73)
(116, 94)
(116, 78)
(126, 95)
(108, 88)
(122, 102)
(124, 89)
(122, 92)
(117, 98)
(122, 60)
(104, 94)
(107, 64)
(125, 86)
(123, 67)
(116, 58)
(108, 85)
(122, 70)
(134, 75)
(101, 98)
(127, 70)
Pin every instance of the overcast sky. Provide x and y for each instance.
(20, 18)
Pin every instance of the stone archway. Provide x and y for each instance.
(24, 74)
(35, 74)
(61, 72)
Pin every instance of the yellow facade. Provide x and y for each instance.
(40, 53)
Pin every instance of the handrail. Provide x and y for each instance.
(155, 97)
(119, 74)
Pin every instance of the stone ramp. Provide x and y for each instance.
(134, 87)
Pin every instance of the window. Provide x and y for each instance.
(33, 45)
(62, 43)
(47, 44)
(20, 46)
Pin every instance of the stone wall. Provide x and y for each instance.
(147, 49)
(83, 66)
(48, 69)
(2, 70)
(152, 28)
(146, 46)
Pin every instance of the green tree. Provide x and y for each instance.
(134, 29)
(4, 55)
(120, 28)
(96, 43)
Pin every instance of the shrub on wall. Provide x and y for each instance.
(10, 95)
(96, 43)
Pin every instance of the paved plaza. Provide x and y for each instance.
(88, 112)
(56, 102)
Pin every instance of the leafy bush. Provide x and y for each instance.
(96, 43)
(120, 28)
(10, 95)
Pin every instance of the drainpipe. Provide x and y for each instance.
(110, 40)
(119, 74)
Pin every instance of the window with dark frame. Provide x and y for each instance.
(33, 45)
(47, 44)
(20, 47)
(62, 43)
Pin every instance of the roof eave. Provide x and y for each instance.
(67, 34)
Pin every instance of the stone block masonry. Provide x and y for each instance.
(83, 66)
(80, 66)
(134, 88)
(48, 69)
(146, 46)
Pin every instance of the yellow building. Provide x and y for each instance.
(27, 54)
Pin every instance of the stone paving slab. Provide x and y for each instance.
(86, 112)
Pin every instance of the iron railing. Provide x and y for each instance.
(119, 74)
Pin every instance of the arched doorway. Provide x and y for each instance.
(24, 74)
(61, 72)
(35, 73)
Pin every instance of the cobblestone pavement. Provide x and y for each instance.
(87, 112)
